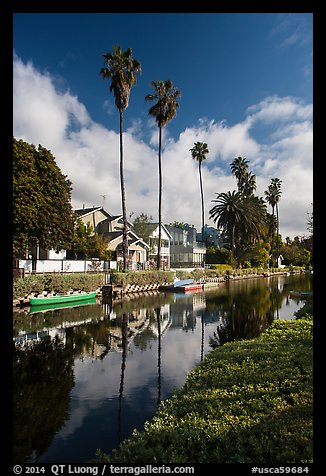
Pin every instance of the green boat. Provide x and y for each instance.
(61, 305)
(61, 298)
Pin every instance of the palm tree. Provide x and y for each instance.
(249, 185)
(273, 195)
(228, 214)
(239, 168)
(121, 68)
(276, 183)
(163, 110)
(255, 225)
(198, 153)
(243, 219)
(246, 180)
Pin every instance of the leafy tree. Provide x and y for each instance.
(82, 234)
(164, 110)
(199, 152)
(179, 224)
(42, 212)
(121, 68)
(295, 252)
(217, 255)
(141, 227)
(254, 254)
(88, 244)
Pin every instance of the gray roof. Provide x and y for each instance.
(85, 211)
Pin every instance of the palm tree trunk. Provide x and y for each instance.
(273, 233)
(124, 342)
(123, 199)
(202, 205)
(159, 199)
(232, 241)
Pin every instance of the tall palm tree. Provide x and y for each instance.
(163, 111)
(249, 185)
(273, 195)
(276, 184)
(121, 68)
(239, 168)
(199, 152)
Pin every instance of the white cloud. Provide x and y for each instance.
(274, 108)
(89, 153)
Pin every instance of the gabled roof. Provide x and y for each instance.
(152, 226)
(87, 211)
(132, 237)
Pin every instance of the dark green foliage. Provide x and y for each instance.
(42, 212)
(142, 226)
(306, 312)
(248, 401)
(216, 255)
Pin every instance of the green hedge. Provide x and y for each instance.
(58, 283)
(218, 270)
(142, 278)
(249, 401)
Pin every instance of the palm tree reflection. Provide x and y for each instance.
(124, 343)
(159, 349)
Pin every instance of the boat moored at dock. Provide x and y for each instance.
(61, 298)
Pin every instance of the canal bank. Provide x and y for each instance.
(116, 285)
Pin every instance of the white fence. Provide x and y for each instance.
(65, 266)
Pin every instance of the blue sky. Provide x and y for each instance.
(246, 89)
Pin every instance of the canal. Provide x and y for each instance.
(86, 376)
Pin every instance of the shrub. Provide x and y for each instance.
(142, 278)
(221, 267)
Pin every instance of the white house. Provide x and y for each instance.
(152, 232)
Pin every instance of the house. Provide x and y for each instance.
(186, 251)
(150, 232)
(111, 226)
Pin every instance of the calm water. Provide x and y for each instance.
(87, 376)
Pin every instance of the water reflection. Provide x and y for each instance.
(86, 377)
(42, 384)
(124, 343)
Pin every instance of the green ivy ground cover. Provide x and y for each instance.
(249, 401)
